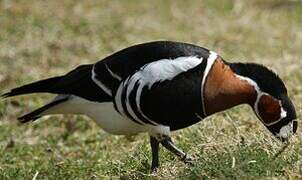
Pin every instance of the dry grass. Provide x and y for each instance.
(39, 39)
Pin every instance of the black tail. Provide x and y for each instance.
(37, 113)
(77, 82)
(39, 86)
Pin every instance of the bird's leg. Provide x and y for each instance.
(155, 153)
(168, 144)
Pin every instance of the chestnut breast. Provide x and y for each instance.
(224, 90)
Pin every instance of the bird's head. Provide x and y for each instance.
(271, 103)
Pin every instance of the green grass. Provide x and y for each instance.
(39, 39)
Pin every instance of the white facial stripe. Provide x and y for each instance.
(210, 61)
(112, 73)
(100, 84)
(286, 130)
(259, 94)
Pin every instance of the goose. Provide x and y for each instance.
(163, 86)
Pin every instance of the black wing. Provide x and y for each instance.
(127, 61)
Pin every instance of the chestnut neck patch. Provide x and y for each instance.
(224, 89)
(269, 109)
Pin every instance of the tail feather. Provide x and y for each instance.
(77, 82)
(45, 85)
(36, 114)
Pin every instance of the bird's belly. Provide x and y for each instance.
(105, 115)
(112, 122)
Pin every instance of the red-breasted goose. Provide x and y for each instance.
(162, 86)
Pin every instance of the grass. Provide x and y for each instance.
(39, 39)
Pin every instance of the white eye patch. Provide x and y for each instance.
(286, 130)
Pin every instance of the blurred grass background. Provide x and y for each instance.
(39, 39)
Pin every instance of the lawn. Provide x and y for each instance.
(39, 39)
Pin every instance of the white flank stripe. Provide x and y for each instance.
(138, 102)
(139, 108)
(112, 73)
(161, 70)
(131, 84)
(210, 61)
(165, 69)
(100, 84)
